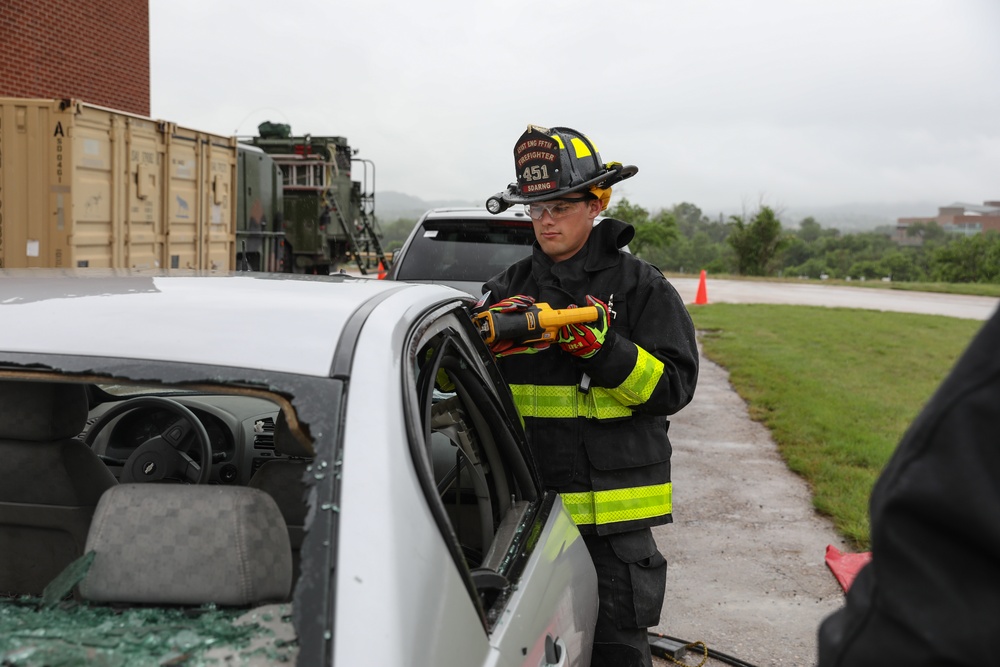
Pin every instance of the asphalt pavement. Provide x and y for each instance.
(836, 296)
(746, 572)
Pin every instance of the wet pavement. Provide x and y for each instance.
(746, 571)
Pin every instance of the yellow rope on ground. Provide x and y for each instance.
(693, 645)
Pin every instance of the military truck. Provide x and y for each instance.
(260, 235)
(327, 219)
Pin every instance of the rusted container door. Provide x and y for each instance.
(35, 177)
(220, 235)
(83, 186)
(143, 242)
(96, 197)
(200, 213)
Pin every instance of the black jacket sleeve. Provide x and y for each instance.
(659, 324)
(931, 594)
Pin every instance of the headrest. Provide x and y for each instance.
(191, 545)
(285, 441)
(41, 411)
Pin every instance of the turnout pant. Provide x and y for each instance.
(631, 578)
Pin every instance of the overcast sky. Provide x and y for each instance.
(722, 103)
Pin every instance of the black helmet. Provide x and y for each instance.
(553, 162)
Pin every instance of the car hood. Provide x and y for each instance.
(275, 322)
(473, 288)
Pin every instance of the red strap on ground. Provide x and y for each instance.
(845, 566)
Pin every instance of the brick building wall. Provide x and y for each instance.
(96, 51)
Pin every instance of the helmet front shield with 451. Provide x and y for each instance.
(553, 162)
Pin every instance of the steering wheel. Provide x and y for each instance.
(159, 457)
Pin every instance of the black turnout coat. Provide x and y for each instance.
(604, 447)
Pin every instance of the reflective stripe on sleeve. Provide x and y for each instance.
(631, 504)
(562, 402)
(640, 383)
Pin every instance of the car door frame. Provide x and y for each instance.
(543, 545)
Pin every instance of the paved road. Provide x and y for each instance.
(746, 571)
(737, 291)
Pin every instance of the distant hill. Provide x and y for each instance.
(391, 206)
(859, 217)
(848, 218)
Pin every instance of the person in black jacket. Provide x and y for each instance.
(595, 403)
(931, 593)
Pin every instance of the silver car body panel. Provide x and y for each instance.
(413, 610)
(416, 610)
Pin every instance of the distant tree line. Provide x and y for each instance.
(682, 239)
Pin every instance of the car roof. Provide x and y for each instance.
(457, 212)
(279, 322)
(515, 212)
(473, 287)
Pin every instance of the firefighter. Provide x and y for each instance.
(595, 403)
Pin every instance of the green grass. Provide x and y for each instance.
(836, 387)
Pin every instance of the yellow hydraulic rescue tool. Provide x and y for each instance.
(538, 323)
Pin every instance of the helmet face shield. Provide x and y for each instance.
(552, 162)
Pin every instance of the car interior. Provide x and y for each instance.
(192, 501)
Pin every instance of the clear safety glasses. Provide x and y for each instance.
(557, 208)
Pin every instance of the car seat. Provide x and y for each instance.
(189, 545)
(50, 483)
(284, 480)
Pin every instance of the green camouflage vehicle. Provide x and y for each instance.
(326, 219)
(260, 236)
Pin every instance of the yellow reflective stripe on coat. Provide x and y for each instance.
(562, 402)
(632, 504)
(640, 383)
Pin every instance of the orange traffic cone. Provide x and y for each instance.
(702, 297)
(381, 271)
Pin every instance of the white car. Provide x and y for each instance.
(266, 469)
(463, 247)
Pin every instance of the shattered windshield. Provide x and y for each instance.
(32, 633)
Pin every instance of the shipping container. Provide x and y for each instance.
(85, 186)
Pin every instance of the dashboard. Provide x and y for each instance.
(240, 430)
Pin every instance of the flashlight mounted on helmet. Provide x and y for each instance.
(497, 203)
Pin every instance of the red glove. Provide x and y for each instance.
(505, 348)
(586, 340)
(512, 304)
